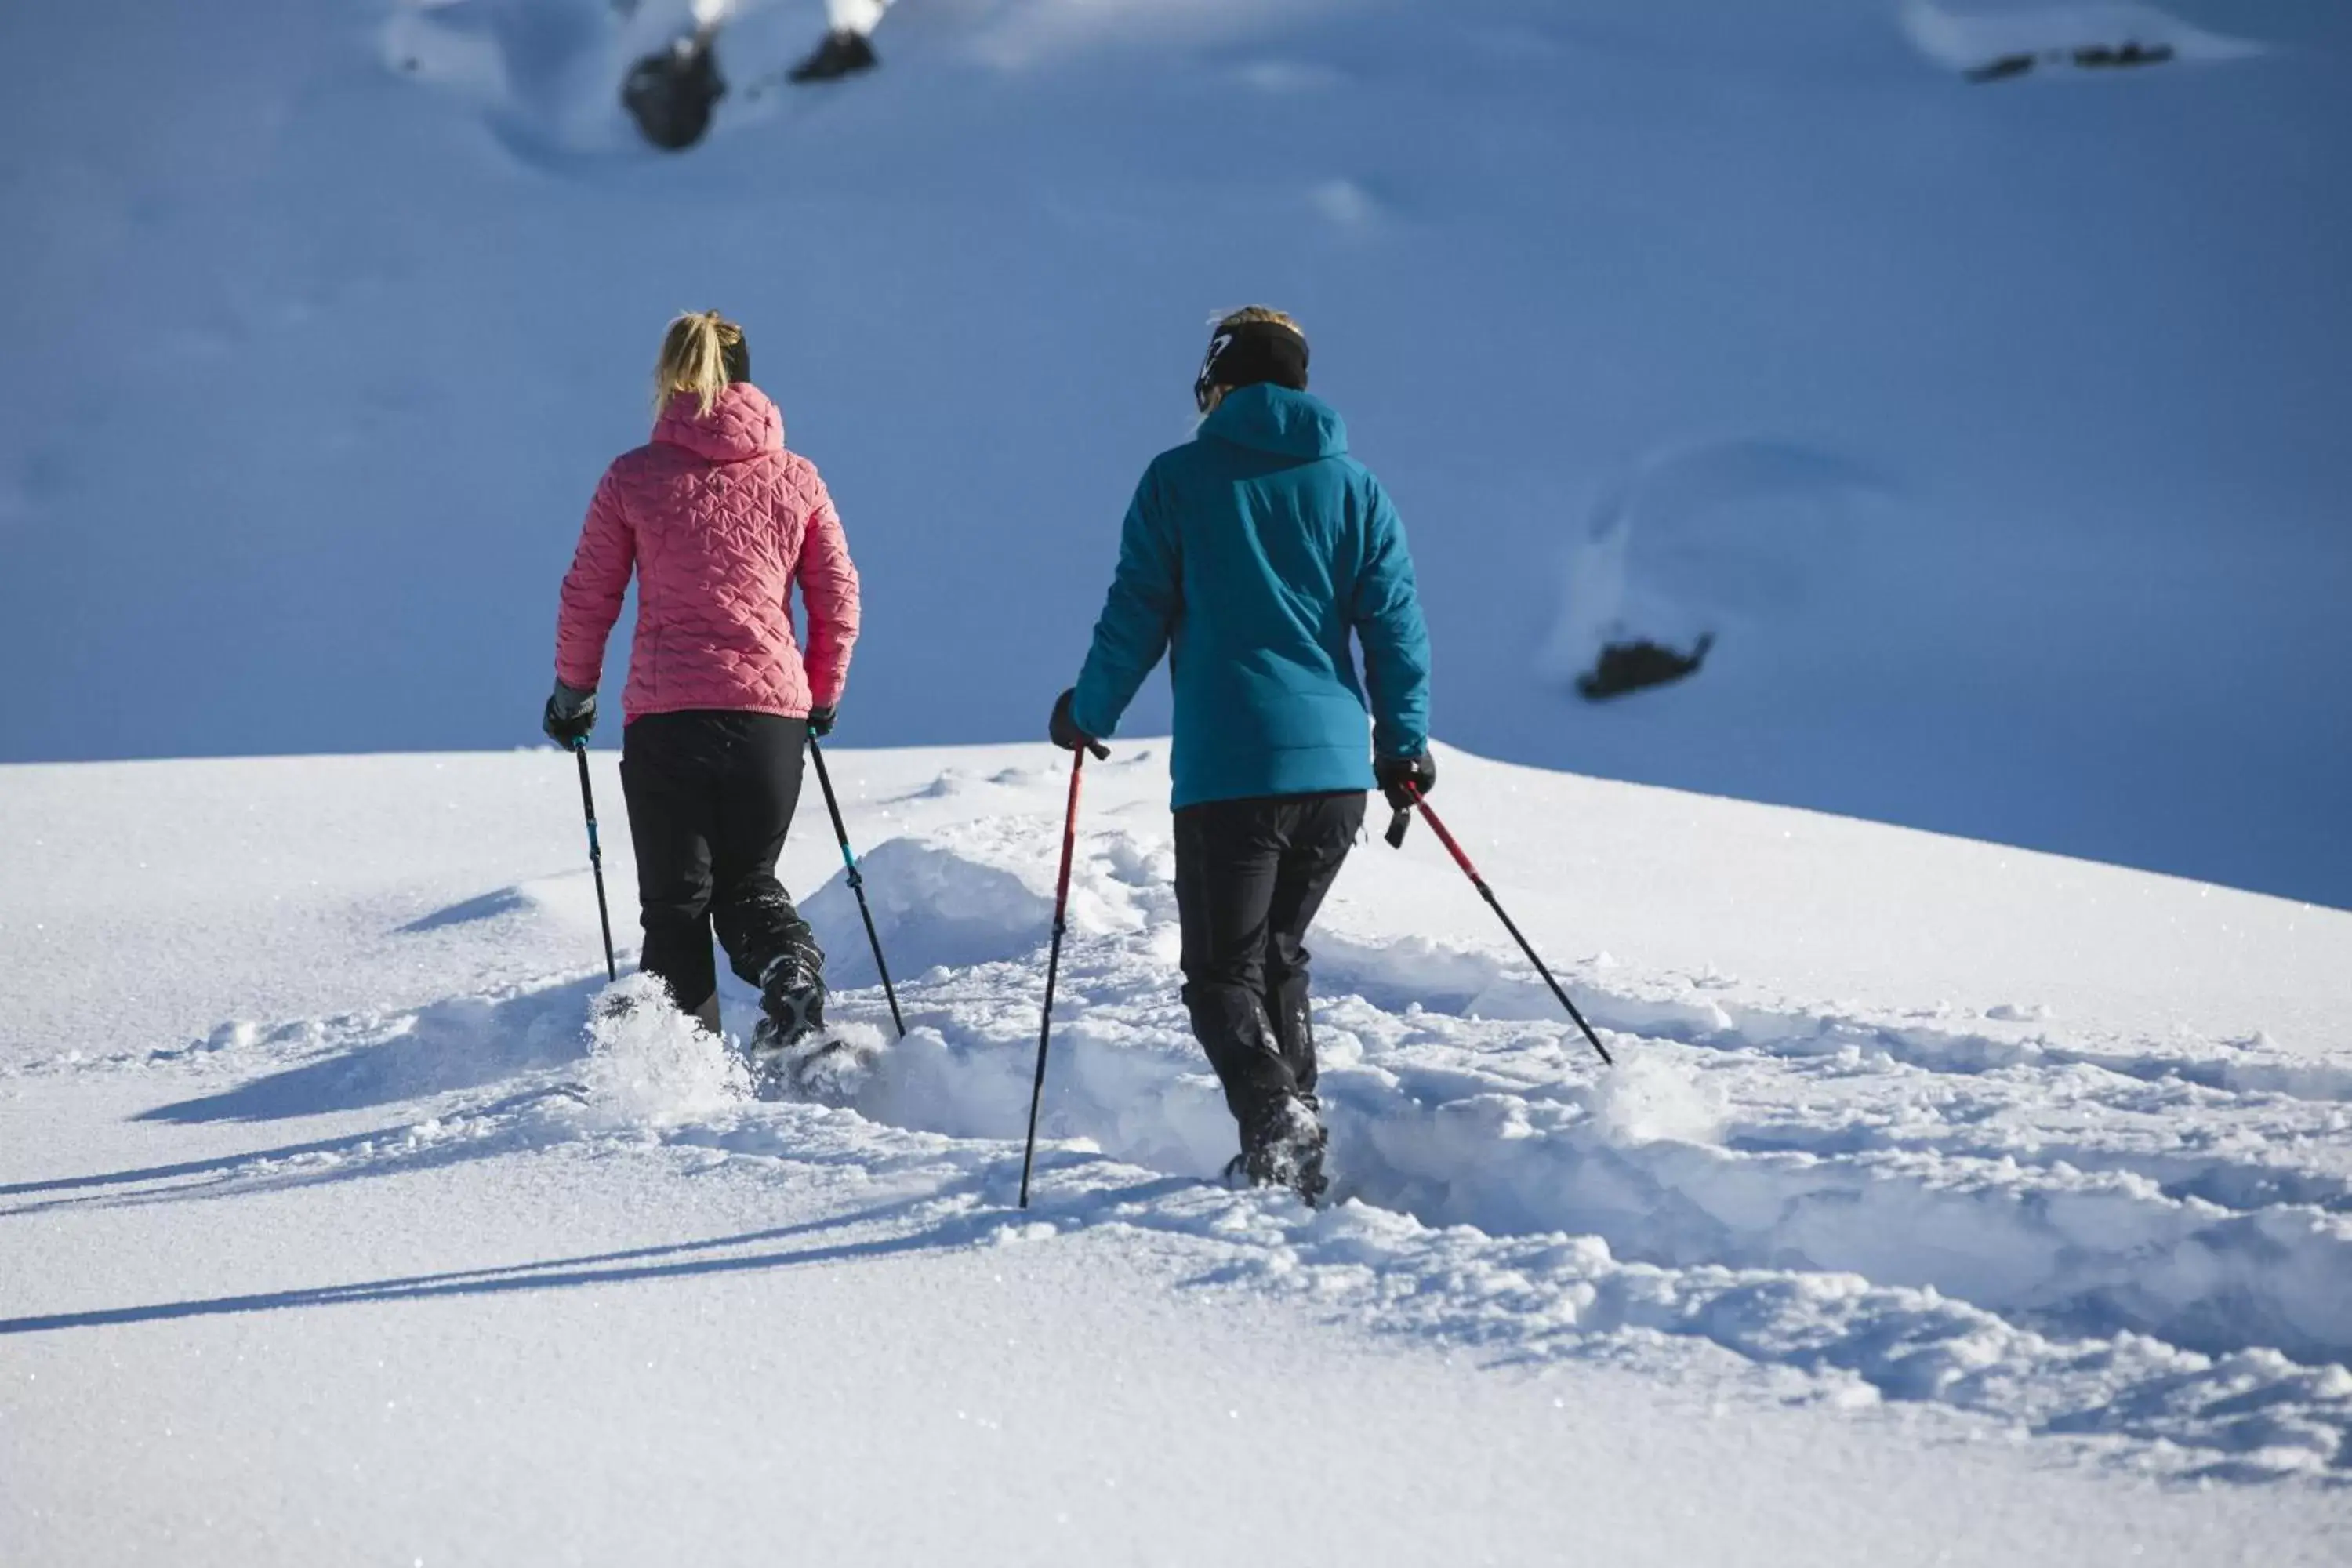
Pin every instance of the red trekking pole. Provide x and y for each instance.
(1053, 959)
(1397, 825)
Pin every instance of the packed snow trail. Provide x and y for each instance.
(2145, 1247)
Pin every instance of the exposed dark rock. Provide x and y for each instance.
(1626, 667)
(2090, 56)
(671, 92)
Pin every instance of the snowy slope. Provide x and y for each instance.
(1995, 431)
(1951, 1202)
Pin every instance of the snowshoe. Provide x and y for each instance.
(802, 1068)
(827, 1066)
(1284, 1148)
(791, 1031)
(844, 53)
(789, 1016)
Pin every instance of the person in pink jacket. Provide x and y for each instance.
(718, 523)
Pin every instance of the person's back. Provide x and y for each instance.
(717, 523)
(1255, 556)
(720, 520)
(1286, 550)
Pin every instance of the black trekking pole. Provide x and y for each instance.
(1397, 825)
(595, 856)
(856, 881)
(1053, 959)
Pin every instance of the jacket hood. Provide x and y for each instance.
(1269, 418)
(743, 424)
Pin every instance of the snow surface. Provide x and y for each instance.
(1997, 431)
(1952, 1202)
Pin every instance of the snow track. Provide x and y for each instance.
(2148, 1248)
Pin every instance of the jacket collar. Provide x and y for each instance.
(1269, 418)
(743, 424)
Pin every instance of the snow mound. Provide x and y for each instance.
(970, 899)
(983, 893)
(1701, 539)
(453, 1045)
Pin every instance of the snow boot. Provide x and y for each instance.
(1283, 1147)
(791, 1010)
(792, 998)
(844, 53)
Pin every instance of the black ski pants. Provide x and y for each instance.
(710, 796)
(1250, 875)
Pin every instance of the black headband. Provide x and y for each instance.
(1249, 353)
(736, 358)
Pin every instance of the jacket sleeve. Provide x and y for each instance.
(1387, 616)
(593, 588)
(828, 583)
(1138, 618)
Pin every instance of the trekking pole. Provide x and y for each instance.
(1396, 839)
(1053, 959)
(856, 881)
(595, 856)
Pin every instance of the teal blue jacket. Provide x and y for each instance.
(1252, 556)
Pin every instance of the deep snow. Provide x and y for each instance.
(1996, 430)
(1950, 1200)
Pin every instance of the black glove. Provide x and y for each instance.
(1066, 732)
(1393, 774)
(571, 714)
(819, 721)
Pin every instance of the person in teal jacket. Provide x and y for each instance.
(1260, 558)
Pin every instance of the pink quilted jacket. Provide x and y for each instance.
(718, 521)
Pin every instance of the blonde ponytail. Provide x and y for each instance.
(694, 354)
